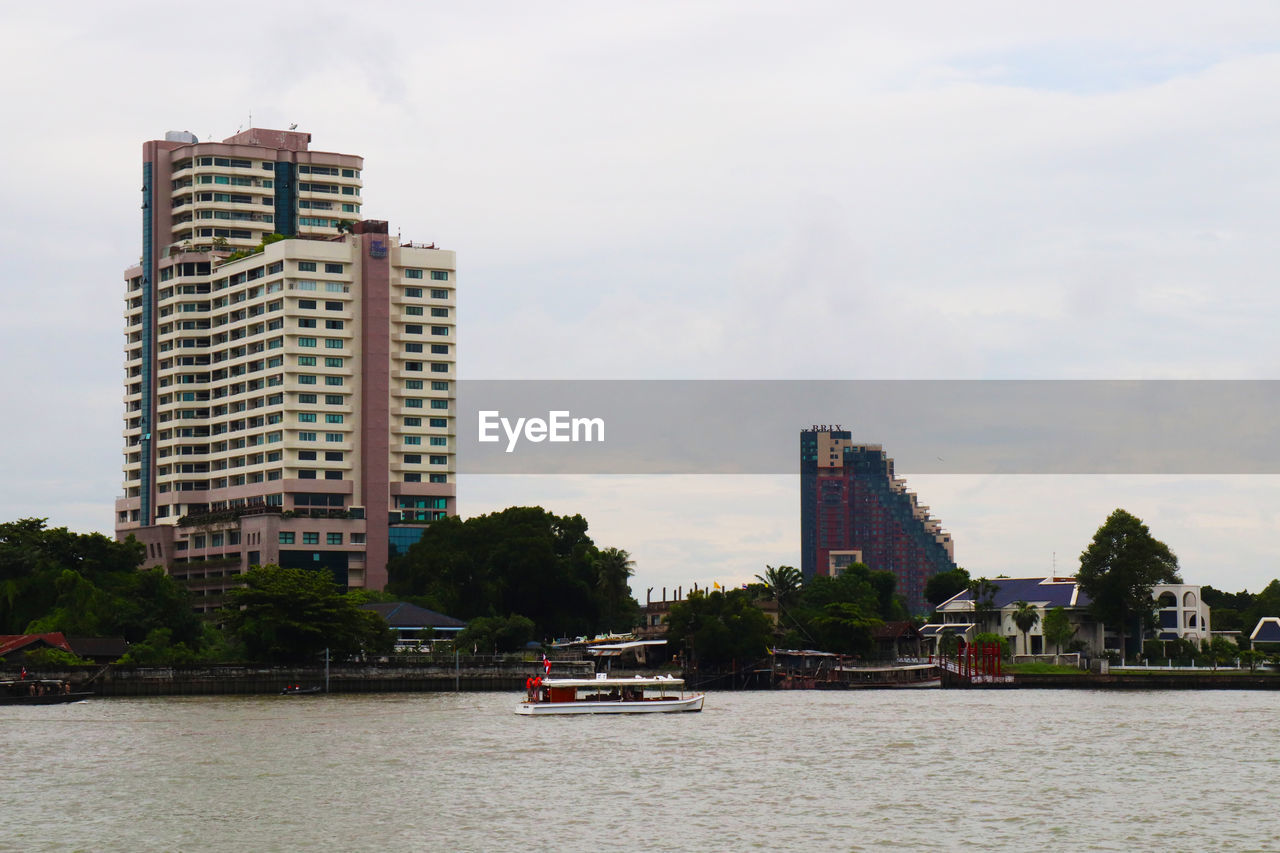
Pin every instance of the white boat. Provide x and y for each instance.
(600, 695)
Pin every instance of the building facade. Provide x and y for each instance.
(291, 399)
(853, 508)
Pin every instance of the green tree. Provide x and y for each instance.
(496, 633)
(984, 600)
(1220, 651)
(520, 560)
(1058, 628)
(1025, 616)
(945, 585)
(783, 583)
(719, 627)
(293, 615)
(1251, 658)
(1119, 568)
(618, 610)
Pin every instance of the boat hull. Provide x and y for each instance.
(648, 706)
(47, 699)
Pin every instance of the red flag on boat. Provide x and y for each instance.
(546, 664)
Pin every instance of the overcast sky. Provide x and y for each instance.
(703, 190)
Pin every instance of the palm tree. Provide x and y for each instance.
(614, 568)
(1025, 616)
(783, 582)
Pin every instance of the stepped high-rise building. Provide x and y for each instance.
(853, 509)
(291, 399)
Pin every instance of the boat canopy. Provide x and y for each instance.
(634, 681)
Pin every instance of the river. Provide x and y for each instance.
(869, 770)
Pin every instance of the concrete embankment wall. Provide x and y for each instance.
(1153, 681)
(372, 678)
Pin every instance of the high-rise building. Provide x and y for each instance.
(289, 368)
(854, 509)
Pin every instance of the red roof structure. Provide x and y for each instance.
(10, 643)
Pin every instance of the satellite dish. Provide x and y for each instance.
(293, 126)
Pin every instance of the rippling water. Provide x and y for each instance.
(993, 770)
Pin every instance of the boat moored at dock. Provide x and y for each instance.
(39, 691)
(601, 695)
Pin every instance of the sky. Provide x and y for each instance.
(711, 190)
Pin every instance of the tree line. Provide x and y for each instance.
(515, 575)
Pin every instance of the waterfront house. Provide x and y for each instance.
(1179, 613)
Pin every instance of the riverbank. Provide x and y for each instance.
(1151, 680)
(226, 679)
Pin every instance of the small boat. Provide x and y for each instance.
(299, 690)
(602, 695)
(39, 691)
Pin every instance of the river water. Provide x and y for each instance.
(869, 770)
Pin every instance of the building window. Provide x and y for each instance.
(413, 422)
(439, 349)
(306, 266)
(413, 310)
(306, 436)
(333, 539)
(333, 419)
(333, 475)
(333, 306)
(335, 269)
(333, 399)
(335, 325)
(413, 347)
(311, 538)
(439, 386)
(306, 342)
(357, 538)
(333, 380)
(439, 460)
(415, 366)
(413, 459)
(307, 417)
(306, 303)
(413, 439)
(415, 292)
(439, 404)
(306, 398)
(413, 273)
(306, 474)
(306, 455)
(439, 312)
(439, 423)
(439, 330)
(333, 437)
(412, 403)
(413, 478)
(438, 478)
(439, 275)
(331, 361)
(439, 368)
(439, 294)
(333, 456)
(306, 379)
(286, 537)
(413, 385)
(306, 361)
(332, 343)
(439, 441)
(413, 330)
